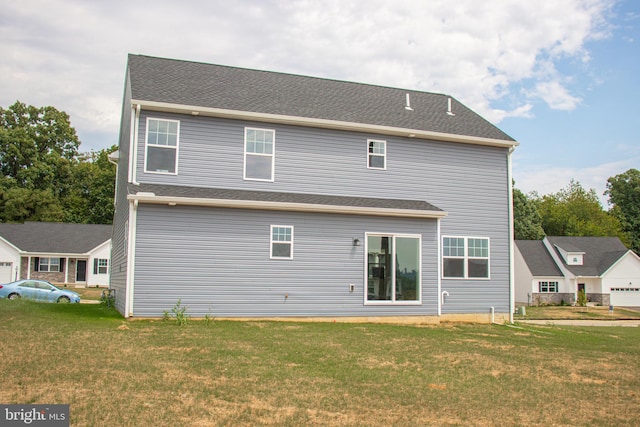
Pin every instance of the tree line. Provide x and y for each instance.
(575, 211)
(44, 177)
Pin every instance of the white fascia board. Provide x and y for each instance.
(100, 246)
(54, 254)
(629, 251)
(322, 123)
(11, 245)
(283, 206)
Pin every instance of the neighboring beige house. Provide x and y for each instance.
(555, 269)
(64, 254)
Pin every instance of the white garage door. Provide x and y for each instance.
(5, 272)
(625, 297)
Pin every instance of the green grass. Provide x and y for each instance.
(116, 372)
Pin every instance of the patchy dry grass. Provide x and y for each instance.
(114, 372)
(586, 313)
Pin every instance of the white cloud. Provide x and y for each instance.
(556, 95)
(71, 54)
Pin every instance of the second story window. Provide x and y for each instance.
(259, 154)
(377, 155)
(162, 146)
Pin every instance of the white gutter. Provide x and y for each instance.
(321, 123)
(284, 206)
(512, 288)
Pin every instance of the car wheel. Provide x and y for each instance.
(14, 296)
(64, 300)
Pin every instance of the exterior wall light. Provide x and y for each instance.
(356, 241)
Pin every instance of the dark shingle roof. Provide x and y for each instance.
(54, 237)
(600, 253)
(538, 259)
(267, 196)
(238, 89)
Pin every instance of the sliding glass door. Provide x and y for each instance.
(393, 268)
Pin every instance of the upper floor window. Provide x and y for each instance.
(259, 154)
(465, 257)
(377, 154)
(162, 146)
(281, 242)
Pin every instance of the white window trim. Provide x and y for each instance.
(146, 146)
(466, 257)
(273, 156)
(366, 269)
(548, 282)
(271, 242)
(384, 156)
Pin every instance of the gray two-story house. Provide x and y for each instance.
(253, 194)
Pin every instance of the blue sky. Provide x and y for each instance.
(560, 76)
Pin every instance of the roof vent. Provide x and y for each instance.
(408, 106)
(449, 112)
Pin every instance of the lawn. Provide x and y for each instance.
(116, 372)
(586, 313)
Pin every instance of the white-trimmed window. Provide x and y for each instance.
(393, 267)
(547, 287)
(48, 265)
(465, 257)
(162, 146)
(100, 266)
(376, 154)
(259, 154)
(281, 242)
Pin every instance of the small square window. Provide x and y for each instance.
(377, 154)
(281, 242)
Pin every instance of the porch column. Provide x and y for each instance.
(66, 270)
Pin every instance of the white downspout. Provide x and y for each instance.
(511, 238)
(131, 258)
(133, 145)
(438, 269)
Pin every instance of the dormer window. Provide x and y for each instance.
(571, 256)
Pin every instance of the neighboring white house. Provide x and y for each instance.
(555, 269)
(77, 254)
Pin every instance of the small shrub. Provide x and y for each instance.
(582, 298)
(178, 312)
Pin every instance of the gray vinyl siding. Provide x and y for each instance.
(470, 182)
(216, 261)
(118, 268)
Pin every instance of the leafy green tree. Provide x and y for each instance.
(43, 177)
(624, 194)
(527, 224)
(91, 198)
(574, 211)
